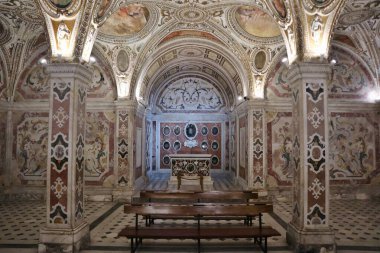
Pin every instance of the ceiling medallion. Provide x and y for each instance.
(355, 17)
(191, 15)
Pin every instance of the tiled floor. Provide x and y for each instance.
(356, 225)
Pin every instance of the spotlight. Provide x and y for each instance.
(240, 98)
(43, 61)
(285, 59)
(92, 59)
(333, 61)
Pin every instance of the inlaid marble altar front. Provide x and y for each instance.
(191, 167)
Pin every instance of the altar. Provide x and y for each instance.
(190, 169)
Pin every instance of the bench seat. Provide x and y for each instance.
(259, 235)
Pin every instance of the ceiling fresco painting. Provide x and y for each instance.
(256, 22)
(127, 20)
(104, 6)
(279, 5)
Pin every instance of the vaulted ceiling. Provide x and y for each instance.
(147, 44)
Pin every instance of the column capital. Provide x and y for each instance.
(70, 70)
(126, 104)
(309, 71)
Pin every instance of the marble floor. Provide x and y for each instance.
(355, 222)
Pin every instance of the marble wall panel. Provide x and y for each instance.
(279, 148)
(354, 147)
(99, 147)
(138, 147)
(212, 141)
(243, 147)
(30, 146)
(233, 146)
(3, 125)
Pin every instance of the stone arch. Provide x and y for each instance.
(213, 55)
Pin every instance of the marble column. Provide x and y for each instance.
(309, 229)
(124, 161)
(66, 229)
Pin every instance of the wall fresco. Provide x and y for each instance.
(101, 86)
(353, 138)
(279, 148)
(31, 145)
(277, 86)
(349, 79)
(35, 85)
(99, 146)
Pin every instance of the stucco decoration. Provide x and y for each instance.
(32, 147)
(126, 21)
(257, 22)
(350, 78)
(352, 146)
(122, 61)
(190, 94)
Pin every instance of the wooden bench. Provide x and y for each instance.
(199, 198)
(260, 234)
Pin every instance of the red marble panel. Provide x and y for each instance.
(209, 138)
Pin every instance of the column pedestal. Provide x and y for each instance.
(315, 240)
(64, 240)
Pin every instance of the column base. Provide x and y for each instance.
(123, 194)
(64, 239)
(311, 241)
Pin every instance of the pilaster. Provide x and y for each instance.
(66, 230)
(124, 162)
(309, 228)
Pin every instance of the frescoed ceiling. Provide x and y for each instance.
(127, 20)
(135, 37)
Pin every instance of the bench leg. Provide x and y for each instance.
(199, 245)
(263, 243)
